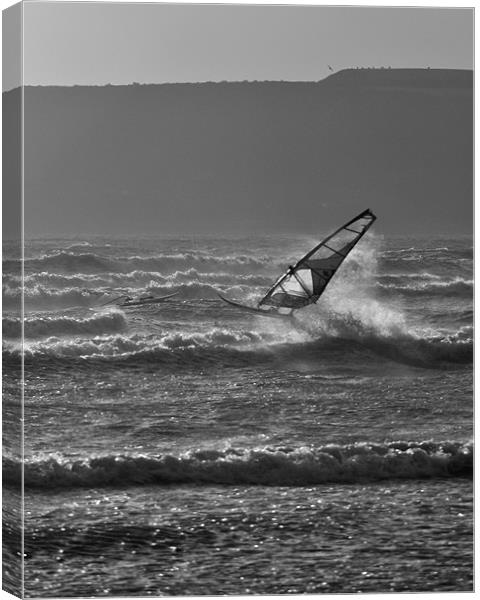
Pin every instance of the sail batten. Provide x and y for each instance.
(304, 283)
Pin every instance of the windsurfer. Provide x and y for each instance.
(304, 283)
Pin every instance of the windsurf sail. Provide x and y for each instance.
(305, 282)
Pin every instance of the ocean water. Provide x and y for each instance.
(191, 448)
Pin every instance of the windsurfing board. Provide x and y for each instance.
(252, 309)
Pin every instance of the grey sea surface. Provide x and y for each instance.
(191, 448)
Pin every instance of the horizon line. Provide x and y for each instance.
(223, 81)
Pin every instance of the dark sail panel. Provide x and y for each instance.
(304, 283)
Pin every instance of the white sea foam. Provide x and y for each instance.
(293, 465)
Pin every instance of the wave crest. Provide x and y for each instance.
(295, 466)
(453, 287)
(47, 326)
(40, 297)
(90, 262)
(222, 347)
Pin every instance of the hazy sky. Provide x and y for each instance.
(96, 43)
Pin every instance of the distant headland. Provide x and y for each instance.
(268, 155)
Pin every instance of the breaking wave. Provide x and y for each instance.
(135, 278)
(43, 298)
(412, 265)
(222, 347)
(279, 466)
(48, 326)
(453, 287)
(40, 297)
(90, 262)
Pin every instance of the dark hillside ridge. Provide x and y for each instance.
(433, 78)
(263, 156)
(415, 78)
